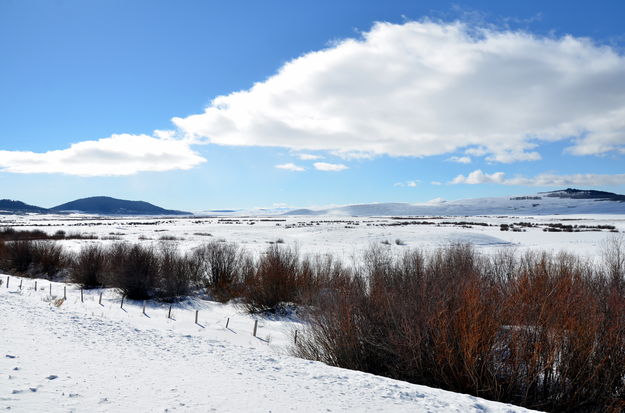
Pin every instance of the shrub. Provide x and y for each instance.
(177, 274)
(33, 258)
(48, 258)
(276, 280)
(18, 256)
(134, 270)
(222, 266)
(89, 266)
(541, 331)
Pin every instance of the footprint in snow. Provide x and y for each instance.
(10, 356)
(52, 377)
(32, 389)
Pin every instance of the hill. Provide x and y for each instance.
(19, 207)
(567, 201)
(585, 194)
(103, 205)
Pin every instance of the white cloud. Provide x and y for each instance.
(117, 155)
(410, 184)
(545, 179)
(308, 156)
(424, 88)
(332, 167)
(479, 177)
(460, 159)
(290, 167)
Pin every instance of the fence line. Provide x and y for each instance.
(197, 312)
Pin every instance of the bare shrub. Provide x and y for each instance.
(222, 267)
(613, 254)
(18, 256)
(541, 331)
(275, 282)
(33, 258)
(134, 270)
(11, 234)
(168, 238)
(49, 259)
(177, 274)
(89, 266)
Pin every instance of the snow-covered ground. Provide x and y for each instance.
(72, 356)
(345, 237)
(82, 356)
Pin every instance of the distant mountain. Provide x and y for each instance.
(585, 194)
(104, 205)
(566, 201)
(13, 207)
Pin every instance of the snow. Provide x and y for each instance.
(345, 237)
(60, 356)
(535, 204)
(83, 356)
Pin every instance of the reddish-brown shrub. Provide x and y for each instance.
(541, 331)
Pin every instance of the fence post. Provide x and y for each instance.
(65, 292)
(50, 289)
(196, 313)
(35, 285)
(255, 327)
(144, 307)
(21, 285)
(100, 299)
(122, 304)
(227, 322)
(82, 300)
(295, 338)
(169, 313)
(8, 281)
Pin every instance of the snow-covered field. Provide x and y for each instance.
(70, 356)
(345, 237)
(67, 355)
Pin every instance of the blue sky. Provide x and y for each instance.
(261, 103)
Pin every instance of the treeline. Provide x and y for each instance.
(11, 234)
(539, 330)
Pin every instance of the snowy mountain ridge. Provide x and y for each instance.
(567, 201)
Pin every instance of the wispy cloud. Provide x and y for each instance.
(460, 159)
(410, 184)
(117, 155)
(290, 167)
(331, 167)
(308, 156)
(495, 92)
(545, 179)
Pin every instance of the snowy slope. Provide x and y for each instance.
(536, 204)
(86, 357)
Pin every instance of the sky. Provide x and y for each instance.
(201, 105)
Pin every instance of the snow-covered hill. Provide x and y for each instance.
(86, 357)
(567, 201)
